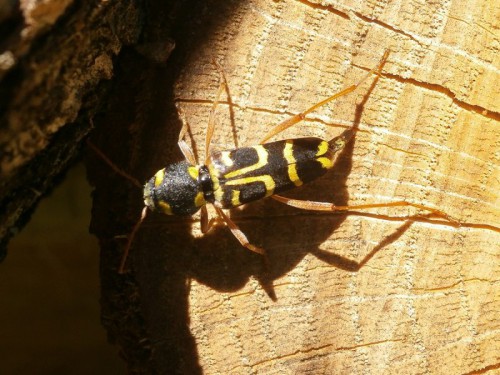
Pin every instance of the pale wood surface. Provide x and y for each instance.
(428, 301)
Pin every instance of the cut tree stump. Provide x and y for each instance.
(426, 298)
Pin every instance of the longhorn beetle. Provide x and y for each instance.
(230, 178)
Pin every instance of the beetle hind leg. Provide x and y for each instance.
(330, 207)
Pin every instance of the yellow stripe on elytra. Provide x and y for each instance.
(235, 198)
(165, 207)
(266, 179)
(292, 163)
(225, 158)
(159, 176)
(322, 148)
(325, 162)
(262, 161)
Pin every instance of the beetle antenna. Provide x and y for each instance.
(113, 166)
(121, 269)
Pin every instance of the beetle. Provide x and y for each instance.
(230, 178)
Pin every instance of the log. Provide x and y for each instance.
(371, 292)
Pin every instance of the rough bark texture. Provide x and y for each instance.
(55, 58)
(427, 301)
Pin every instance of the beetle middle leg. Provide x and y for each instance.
(236, 231)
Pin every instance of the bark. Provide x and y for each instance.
(56, 58)
(425, 298)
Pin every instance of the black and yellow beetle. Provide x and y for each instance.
(239, 176)
(231, 178)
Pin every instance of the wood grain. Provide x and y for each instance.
(428, 301)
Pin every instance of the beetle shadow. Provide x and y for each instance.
(287, 234)
(146, 311)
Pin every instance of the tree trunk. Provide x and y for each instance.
(424, 299)
(56, 60)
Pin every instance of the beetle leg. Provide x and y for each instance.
(325, 206)
(185, 149)
(206, 221)
(240, 236)
(301, 116)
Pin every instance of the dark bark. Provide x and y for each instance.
(55, 75)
